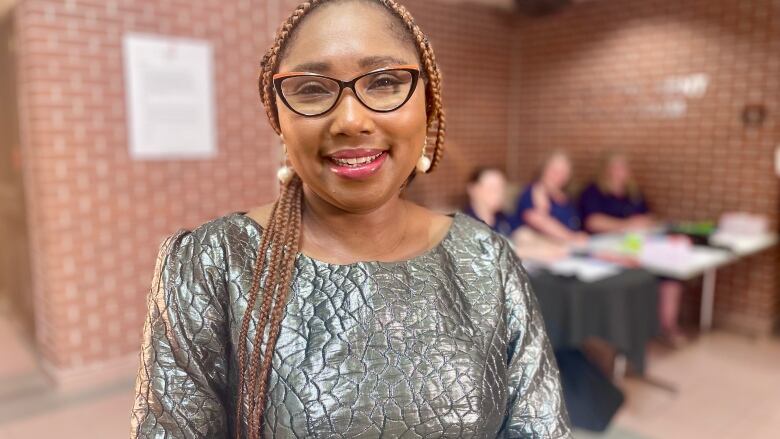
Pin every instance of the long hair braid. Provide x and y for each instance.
(280, 240)
(278, 246)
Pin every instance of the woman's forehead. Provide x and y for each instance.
(492, 176)
(618, 161)
(347, 38)
(558, 162)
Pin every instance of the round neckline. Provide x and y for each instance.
(439, 245)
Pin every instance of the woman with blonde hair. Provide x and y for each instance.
(613, 203)
(545, 205)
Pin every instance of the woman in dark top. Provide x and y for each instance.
(546, 207)
(613, 203)
(487, 190)
(343, 309)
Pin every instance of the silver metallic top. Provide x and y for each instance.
(450, 343)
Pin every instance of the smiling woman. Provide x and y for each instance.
(342, 309)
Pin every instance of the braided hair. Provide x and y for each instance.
(281, 237)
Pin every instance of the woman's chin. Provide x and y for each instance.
(363, 200)
(354, 197)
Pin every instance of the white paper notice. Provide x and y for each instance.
(169, 86)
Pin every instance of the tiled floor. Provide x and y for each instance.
(728, 387)
(31, 408)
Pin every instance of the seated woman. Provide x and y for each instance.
(487, 190)
(545, 207)
(613, 203)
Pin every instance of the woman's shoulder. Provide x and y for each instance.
(467, 225)
(487, 259)
(591, 190)
(477, 239)
(213, 237)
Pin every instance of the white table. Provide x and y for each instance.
(703, 261)
(744, 245)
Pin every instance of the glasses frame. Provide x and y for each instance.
(411, 68)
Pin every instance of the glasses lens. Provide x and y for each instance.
(385, 90)
(309, 95)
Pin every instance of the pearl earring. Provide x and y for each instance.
(285, 173)
(424, 163)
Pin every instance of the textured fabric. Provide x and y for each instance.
(501, 222)
(447, 344)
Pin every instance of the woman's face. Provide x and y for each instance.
(557, 172)
(489, 190)
(618, 172)
(343, 41)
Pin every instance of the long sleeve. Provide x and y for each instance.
(536, 408)
(181, 384)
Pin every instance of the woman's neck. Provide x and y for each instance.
(616, 189)
(340, 236)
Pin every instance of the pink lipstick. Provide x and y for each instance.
(357, 163)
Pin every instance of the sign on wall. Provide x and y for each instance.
(169, 93)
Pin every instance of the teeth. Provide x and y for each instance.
(356, 161)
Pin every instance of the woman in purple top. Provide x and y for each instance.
(545, 207)
(613, 203)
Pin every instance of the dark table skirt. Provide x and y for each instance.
(622, 310)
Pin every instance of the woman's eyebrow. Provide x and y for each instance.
(367, 62)
(313, 67)
(381, 61)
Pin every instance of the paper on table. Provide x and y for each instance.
(699, 259)
(585, 269)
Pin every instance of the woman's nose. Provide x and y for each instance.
(350, 117)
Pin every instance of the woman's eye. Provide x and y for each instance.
(311, 89)
(384, 82)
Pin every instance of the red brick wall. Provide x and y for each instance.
(473, 49)
(596, 77)
(97, 217)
